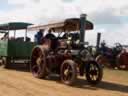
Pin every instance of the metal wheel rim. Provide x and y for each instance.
(93, 72)
(36, 67)
(67, 72)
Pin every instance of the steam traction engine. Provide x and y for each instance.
(56, 55)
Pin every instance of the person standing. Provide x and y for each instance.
(39, 36)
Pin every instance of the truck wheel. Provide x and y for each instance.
(68, 72)
(38, 63)
(94, 72)
(5, 62)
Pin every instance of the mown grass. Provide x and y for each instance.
(120, 76)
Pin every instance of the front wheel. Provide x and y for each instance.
(68, 72)
(94, 72)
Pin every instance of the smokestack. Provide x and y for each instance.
(98, 41)
(82, 27)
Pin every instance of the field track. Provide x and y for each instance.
(19, 82)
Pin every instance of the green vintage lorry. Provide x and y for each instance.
(12, 49)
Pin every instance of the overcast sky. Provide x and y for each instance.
(109, 16)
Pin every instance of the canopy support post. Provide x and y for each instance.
(25, 35)
(14, 33)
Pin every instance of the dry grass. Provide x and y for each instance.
(19, 82)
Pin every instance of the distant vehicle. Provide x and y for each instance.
(122, 58)
(116, 57)
(12, 48)
(65, 54)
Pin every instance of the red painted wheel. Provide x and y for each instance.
(68, 72)
(38, 63)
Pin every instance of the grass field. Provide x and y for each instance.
(19, 82)
(121, 75)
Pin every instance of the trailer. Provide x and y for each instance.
(12, 48)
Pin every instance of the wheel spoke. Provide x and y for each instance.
(38, 61)
(68, 72)
(94, 73)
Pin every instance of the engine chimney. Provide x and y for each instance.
(82, 27)
(98, 41)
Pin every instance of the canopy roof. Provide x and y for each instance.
(14, 26)
(71, 24)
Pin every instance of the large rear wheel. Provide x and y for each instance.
(38, 63)
(68, 72)
(94, 72)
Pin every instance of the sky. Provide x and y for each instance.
(110, 17)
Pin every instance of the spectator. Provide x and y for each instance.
(39, 36)
(50, 35)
